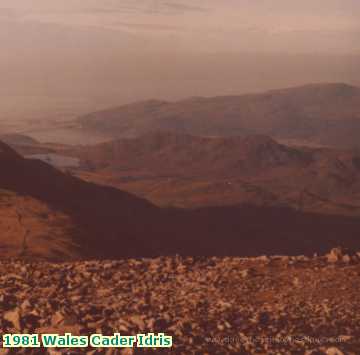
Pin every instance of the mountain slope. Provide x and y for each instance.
(107, 223)
(96, 211)
(327, 114)
(191, 171)
(31, 228)
(173, 154)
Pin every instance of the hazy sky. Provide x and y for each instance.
(209, 25)
(109, 52)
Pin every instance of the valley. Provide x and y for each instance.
(168, 192)
(234, 196)
(180, 170)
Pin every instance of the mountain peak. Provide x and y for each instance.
(330, 89)
(325, 113)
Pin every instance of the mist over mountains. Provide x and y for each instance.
(68, 58)
(46, 58)
(325, 114)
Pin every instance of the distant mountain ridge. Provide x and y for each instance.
(182, 154)
(327, 114)
(193, 171)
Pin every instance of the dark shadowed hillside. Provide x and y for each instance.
(326, 114)
(106, 222)
(92, 207)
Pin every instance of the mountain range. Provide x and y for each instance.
(54, 215)
(271, 173)
(192, 171)
(316, 114)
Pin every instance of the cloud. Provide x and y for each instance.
(150, 26)
(212, 25)
(136, 7)
(181, 7)
(164, 7)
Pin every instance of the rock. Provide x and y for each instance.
(138, 321)
(70, 319)
(244, 273)
(334, 256)
(346, 259)
(220, 327)
(8, 302)
(333, 351)
(208, 306)
(296, 282)
(263, 318)
(13, 317)
(302, 258)
(53, 352)
(223, 305)
(25, 305)
(74, 329)
(31, 320)
(127, 351)
(161, 324)
(57, 318)
(355, 259)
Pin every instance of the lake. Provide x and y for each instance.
(56, 160)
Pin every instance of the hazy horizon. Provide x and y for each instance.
(76, 56)
(326, 26)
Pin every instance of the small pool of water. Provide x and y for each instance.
(56, 160)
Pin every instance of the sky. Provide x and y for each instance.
(110, 52)
(305, 26)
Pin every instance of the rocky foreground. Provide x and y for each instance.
(265, 305)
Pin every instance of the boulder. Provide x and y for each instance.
(13, 317)
(335, 255)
